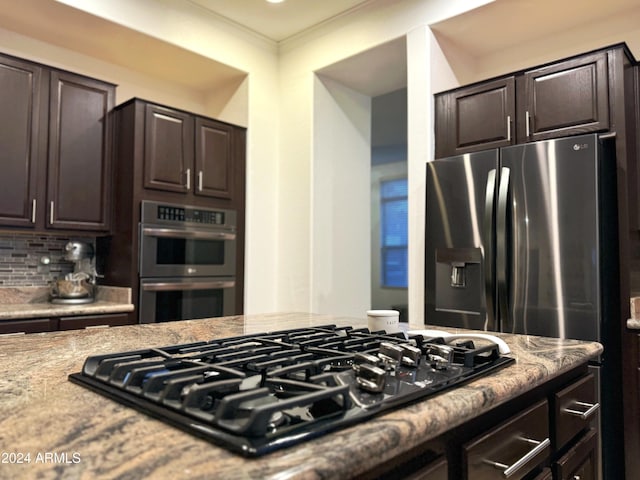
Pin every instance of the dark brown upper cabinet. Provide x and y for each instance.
(79, 179)
(214, 159)
(189, 154)
(476, 118)
(168, 149)
(567, 97)
(20, 87)
(55, 148)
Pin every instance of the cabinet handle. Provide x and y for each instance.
(200, 181)
(508, 470)
(591, 408)
(188, 179)
(51, 213)
(33, 210)
(509, 128)
(527, 122)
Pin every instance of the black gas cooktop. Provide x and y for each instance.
(256, 393)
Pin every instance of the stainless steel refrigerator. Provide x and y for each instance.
(523, 239)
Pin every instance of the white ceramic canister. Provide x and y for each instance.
(387, 320)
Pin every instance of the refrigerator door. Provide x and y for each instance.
(460, 199)
(548, 266)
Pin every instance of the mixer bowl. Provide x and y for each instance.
(71, 289)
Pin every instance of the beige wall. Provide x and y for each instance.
(302, 210)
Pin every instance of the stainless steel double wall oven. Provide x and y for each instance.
(187, 262)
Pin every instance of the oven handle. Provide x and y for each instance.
(168, 286)
(198, 234)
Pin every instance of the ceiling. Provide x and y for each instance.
(279, 21)
(373, 72)
(502, 24)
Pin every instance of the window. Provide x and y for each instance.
(393, 230)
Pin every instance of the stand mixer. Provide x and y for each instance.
(77, 287)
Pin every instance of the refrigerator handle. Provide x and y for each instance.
(501, 244)
(489, 248)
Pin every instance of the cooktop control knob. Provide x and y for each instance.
(390, 354)
(440, 356)
(371, 378)
(410, 355)
(362, 358)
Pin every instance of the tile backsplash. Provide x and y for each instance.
(23, 258)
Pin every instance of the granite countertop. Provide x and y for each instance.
(33, 302)
(42, 413)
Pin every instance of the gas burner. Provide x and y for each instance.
(255, 393)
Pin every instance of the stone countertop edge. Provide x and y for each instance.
(634, 322)
(95, 437)
(32, 302)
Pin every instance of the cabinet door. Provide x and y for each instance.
(581, 461)
(566, 98)
(78, 191)
(478, 117)
(168, 154)
(19, 132)
(214, 159)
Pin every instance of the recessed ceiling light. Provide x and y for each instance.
(275, 1)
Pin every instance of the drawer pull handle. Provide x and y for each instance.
(591, 409)
(508, 470)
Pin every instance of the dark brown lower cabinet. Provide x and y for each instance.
(581, 461)
(36, 325)
(546, 474)
(513, 449)
(113, 320)
(436, 470)
(544, 434)
(419, 464)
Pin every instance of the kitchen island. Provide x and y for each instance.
(70, 432)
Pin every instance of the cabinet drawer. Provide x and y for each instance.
(72, 323)
(574, 408)
(581, 461)
(436, 470)
(513, 449)
(27, 326)
(546, 474)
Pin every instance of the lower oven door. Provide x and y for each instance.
(169, 299)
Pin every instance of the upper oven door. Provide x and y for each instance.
(174, 252)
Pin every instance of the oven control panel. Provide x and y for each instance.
(154, 212)
(190, 215)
